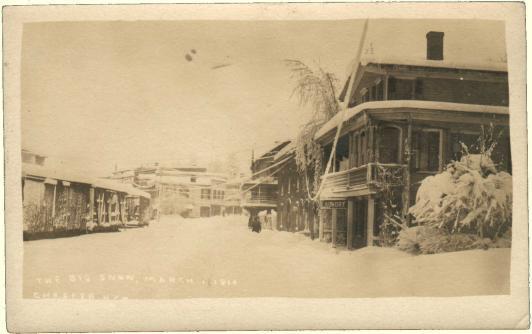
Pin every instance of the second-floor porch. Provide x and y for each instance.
(404, 142)
(362, 180)
(259, 195)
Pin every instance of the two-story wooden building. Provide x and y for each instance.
(260, 191)
(296, 212)
(406, 119)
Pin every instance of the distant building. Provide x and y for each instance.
(260, 191)
(29, 157)
(233, 197)
(186, 190)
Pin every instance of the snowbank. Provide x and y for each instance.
(187, 258)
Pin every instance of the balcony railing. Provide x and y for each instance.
(259, 200)
(372, 174)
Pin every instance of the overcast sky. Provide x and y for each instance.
(96, 94)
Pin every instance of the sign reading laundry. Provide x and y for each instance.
(335, 204)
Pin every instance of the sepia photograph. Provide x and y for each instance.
(233, 159)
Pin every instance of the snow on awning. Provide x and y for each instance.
(70, 175)
(120, 187)
(412, 104)
(55, 173)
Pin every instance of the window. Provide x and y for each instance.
(401, 89)
(435, 45)
(425, 151)
(364, 96)
(373, 93)
(183, 192)
(205, 193)
(379, 91)
(354, 155)
(193, 179)
(418, 89)
(389, 141)
(363, 145)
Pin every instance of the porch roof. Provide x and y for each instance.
(411, 104)
(78, 177)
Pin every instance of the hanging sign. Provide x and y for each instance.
(339, 204)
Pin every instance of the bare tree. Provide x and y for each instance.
(314, 87)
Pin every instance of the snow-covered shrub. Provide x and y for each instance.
(470, 196)
(431, 240)
(408, 240)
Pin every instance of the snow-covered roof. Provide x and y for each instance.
(219, 176)
(56, 173)
(120, 187)
(124, 173)
(479, 66)
(413, 104)
(184, 181)
(272, 148)
(467, 44)
(291, 147)
(71, 175)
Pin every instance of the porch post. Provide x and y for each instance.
(91, 204)
(385, 95)
(320, 225)
(371, 220)
(408, 149)
(350, 224)
(371, 152)
(350, 150)
(333, 230)
(53, 200)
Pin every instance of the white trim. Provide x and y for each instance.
(50, 181)
(411, 104)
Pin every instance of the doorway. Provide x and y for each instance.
(360, 215)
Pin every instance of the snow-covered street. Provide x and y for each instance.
(220, 257)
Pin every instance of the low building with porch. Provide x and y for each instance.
(406, 119)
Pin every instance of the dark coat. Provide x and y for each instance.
(255, 227)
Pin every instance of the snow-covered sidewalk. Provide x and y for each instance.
(220, 257)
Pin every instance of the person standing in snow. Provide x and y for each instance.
(269, 219)
(250, 221)
(256, 225)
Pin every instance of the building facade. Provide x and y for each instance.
(59, 202)
(406, 120)
(189, 191)
(260, 191)
(296, 211)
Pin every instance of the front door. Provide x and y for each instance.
(360, 208)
